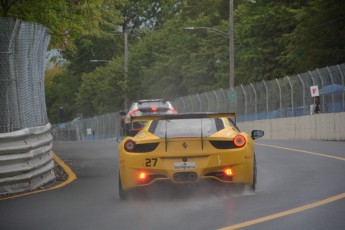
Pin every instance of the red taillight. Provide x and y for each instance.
(135, 112)
(154, 108)
(228, 172)
(142, 176)
(239, 141)
(171, 111)
(129, 146)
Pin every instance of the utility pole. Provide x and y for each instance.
(125, 33)
(231, 45)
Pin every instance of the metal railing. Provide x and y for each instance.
(22, 56)
(95, 128)
(26, 160)
(279, 98)
(285, 97)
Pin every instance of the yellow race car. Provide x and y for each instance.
(187, 148)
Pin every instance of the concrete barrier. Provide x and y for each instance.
(328, 126)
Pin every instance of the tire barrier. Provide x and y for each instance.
(26, 159)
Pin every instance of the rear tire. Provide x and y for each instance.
(122, 194)
(253, 186)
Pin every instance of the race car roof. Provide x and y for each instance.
(152, 100)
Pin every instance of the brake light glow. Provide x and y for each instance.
(135, 112)
(142, 176)
(129, 146)
(171, 111)
(228, 172)
(239, 141)
(154, 108)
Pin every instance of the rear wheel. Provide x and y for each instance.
(122, 193)
(253, 186)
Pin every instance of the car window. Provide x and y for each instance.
(186, 127)
(232, 123)
(157, 104)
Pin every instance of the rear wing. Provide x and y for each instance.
(184, 116)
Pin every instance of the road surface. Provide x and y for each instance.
(301, 185)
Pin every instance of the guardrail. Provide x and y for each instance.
(26, 159)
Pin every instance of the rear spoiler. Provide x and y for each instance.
(184, 116)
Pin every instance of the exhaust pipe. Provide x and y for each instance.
(185, 176)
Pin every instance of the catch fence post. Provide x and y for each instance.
(343, 83)
(215, 94)
(256, 102)
(322, 85)
(280, 98)
(266, 98)
(303, 88)
(245, 102)
(292, 104)
(332, 82)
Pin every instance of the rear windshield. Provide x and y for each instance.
(157, 104)
(186, 127)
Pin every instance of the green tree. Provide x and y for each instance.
(173, 62)
(59, 95)
(101, 91)
(319, 38)
(272, 39)
(65, 19)
(259, 29)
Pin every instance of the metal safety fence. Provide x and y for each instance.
(22, 58)
(279, 98)
(95, 128)
(26, 160)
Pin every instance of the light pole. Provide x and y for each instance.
(231, 48)
(124, 69)
(229, 36)
(231, 44)
(125, 33)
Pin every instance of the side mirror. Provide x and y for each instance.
(119, 139)
(257, 134)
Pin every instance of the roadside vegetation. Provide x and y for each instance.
(273, 39)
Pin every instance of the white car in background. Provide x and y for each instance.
(144, 108)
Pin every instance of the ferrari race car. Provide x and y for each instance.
(187, 148)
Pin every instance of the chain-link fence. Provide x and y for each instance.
(22, 63)
(95, 128)
(26, 159)
(285, 97)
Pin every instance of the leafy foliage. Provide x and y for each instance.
(65, 19)
(272, 39)
(259, 31)
(319, 37)
(100, 92)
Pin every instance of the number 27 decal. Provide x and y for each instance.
(150, 162)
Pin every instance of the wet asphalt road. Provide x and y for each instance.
(286, 180)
